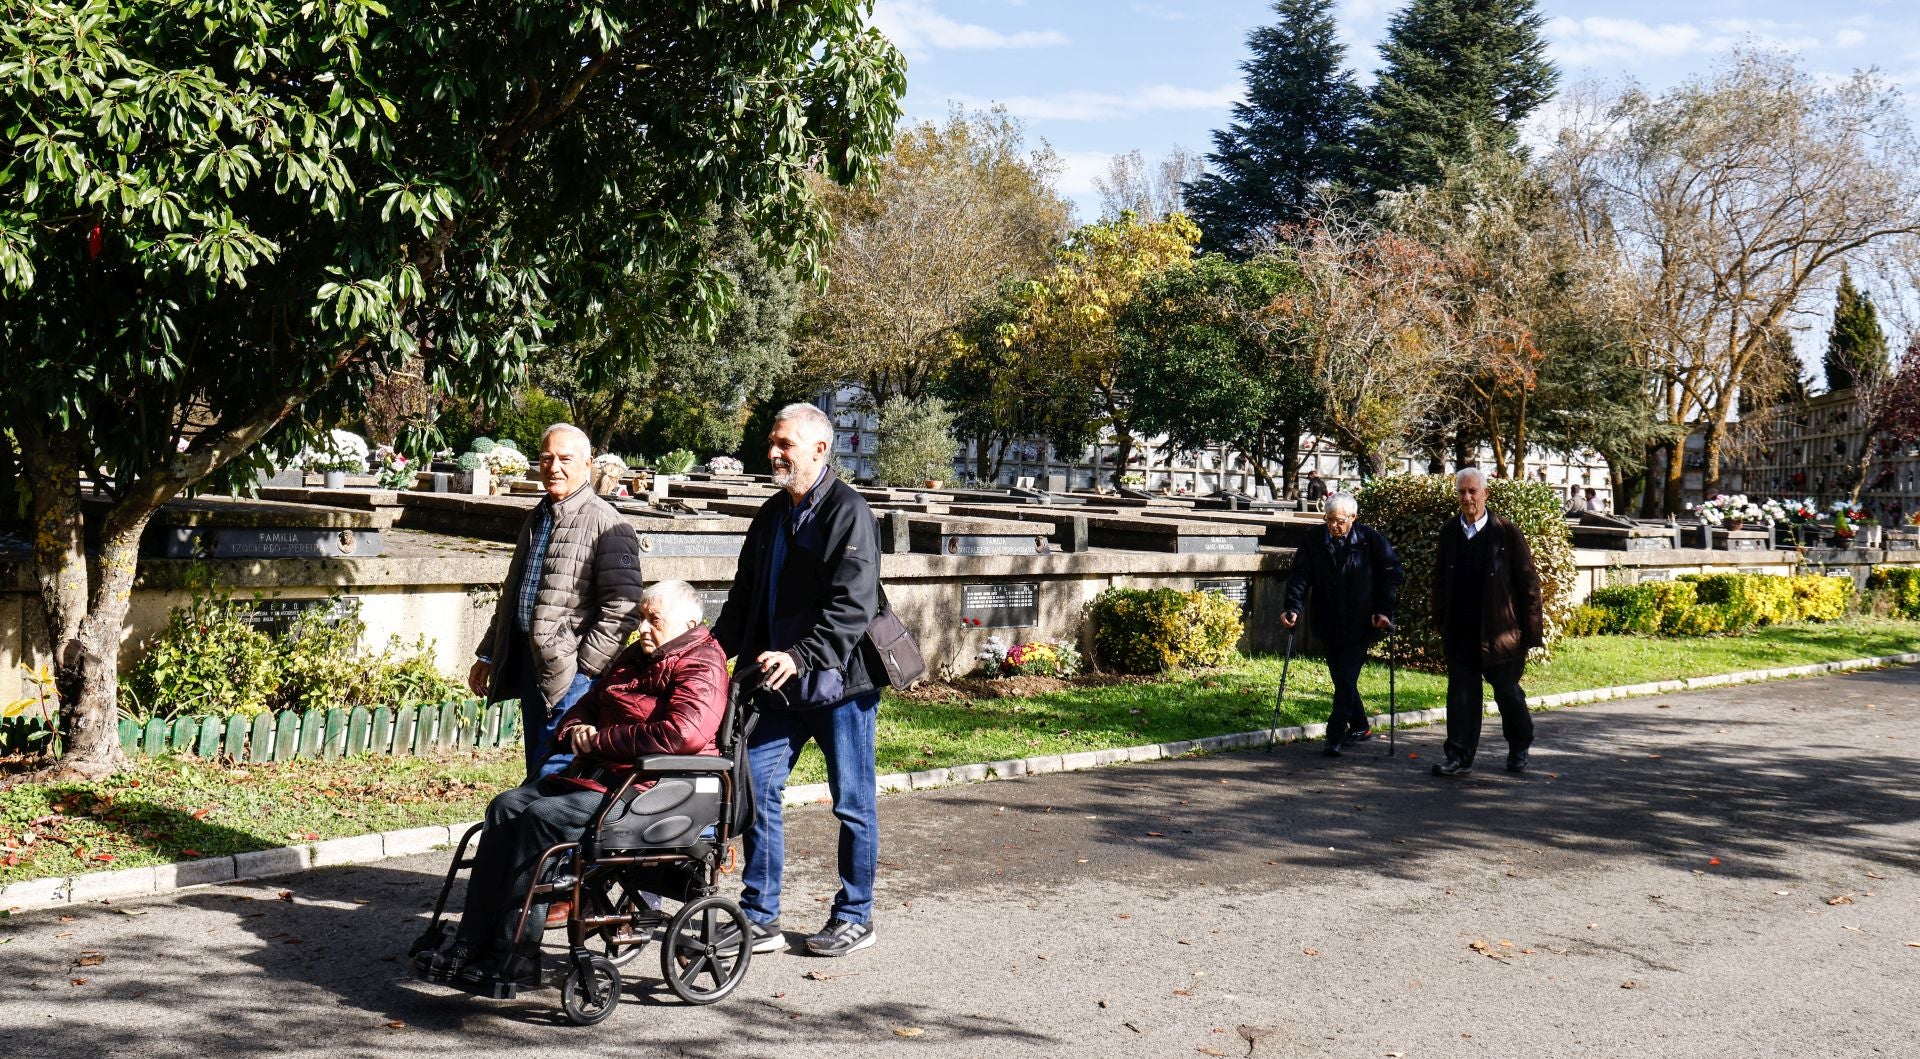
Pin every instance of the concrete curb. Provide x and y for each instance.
(30, 894)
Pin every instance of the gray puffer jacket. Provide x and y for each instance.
(588, 603)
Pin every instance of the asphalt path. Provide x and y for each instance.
(1732, 872)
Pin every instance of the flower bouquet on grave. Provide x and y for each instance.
(392, 469)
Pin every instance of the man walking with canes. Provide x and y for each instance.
(1354, 577)
(807, 588)
(1486, 604)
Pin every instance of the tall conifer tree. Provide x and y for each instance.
(1459, 75)
(1856, 345)
(1292, 136)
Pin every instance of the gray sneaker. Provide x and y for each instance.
(766, 937)
(840, 937)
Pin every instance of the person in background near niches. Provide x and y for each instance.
(807, 588)
(1354, 577)
(1316, 489)
(571, 596)
(1593, 501)
(1486, 606)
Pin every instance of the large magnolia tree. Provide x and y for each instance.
(220, 222)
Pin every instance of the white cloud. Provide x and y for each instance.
(1849, 38)
(1077, 170)
(1584, 41)
(914, 26)
(1102, 106)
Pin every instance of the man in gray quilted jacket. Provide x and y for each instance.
(571, 597)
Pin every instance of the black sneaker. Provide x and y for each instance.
(1517, 761)
(450, 961)
(840, 937)
(1360, 736)
(766, 937)
(1450, 767)
(1332, 749)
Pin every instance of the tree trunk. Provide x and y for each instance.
(1289, 458)
(1648, 505)
(1674, 499)
(1710, 462)
(982, 459)
(1123, 455)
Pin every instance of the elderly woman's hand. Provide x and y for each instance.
(582, 736)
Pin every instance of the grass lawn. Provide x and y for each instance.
(166, 810)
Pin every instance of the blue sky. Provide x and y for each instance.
(1099, 77)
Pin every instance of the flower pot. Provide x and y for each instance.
(333, 479)
(1735, 525)
(933, 483)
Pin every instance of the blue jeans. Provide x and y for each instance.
(537, 723)
(845, 735)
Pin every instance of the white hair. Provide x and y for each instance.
(567, 430)
(1343, 502)
(811, 419)
(1460, 476)
(675, 600)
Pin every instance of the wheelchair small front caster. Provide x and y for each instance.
(592, 989)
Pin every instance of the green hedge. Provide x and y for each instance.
(1901, 587)
(1139, 630)
(1700, 604)
(1411, 509)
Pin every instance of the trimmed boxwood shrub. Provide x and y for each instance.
(1700, 604)
(1411, 509)
(1900, 585)
(1151, 630)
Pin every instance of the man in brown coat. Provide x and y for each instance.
(571, 596)
(1486, 604)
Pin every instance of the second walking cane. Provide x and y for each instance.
(1393, 672)
(1272, 729)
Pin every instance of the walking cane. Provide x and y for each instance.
(1393, 672)
(1282, 696)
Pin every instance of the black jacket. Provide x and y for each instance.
(828, 594)
(1347, 596)
(1510, 602)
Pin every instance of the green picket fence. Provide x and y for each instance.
(288, 734)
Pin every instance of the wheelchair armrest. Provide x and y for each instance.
(657, 763)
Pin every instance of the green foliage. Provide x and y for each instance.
(522, 423)
(1455, 72)
(679, 461)
(1900, 585)
(1856, 346)
(1290, 139)
(1204, 362)
(915, 443)
(1700, 604)
(209, 660)
(1586, 620)
(1411, 510)
(470, 461)
(1152, 630)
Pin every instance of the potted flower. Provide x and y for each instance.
(725, 465)
(338, 454)
(1842, 529)
(507, 463)
(392, 469)
(1733, 512)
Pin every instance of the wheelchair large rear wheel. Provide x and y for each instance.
(591, 991)
(705, 954)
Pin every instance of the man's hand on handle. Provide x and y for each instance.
(479, 676)
(1289, 619)
(1381, 621)
(776, 668)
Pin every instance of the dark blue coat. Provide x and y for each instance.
(1346, 596)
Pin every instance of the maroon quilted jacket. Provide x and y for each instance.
(667, 702)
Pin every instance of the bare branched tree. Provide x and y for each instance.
(1153, 192)
(1736, 196)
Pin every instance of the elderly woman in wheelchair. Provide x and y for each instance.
(648, 806)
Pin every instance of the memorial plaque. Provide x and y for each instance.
(234, 542)
(275, 616)
(677, 544)
(978, 544)
(711, 600)
(1650, 544)
(1238, 589)
(1747, 544)
(1188, 544)
(1653, 575)
(1000, 605)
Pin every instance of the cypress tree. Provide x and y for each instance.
(1292, 136)
(1459, 75)
(1856, 346)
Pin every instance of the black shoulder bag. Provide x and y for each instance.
(894, 647)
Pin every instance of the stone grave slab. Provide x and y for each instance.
(224, 528)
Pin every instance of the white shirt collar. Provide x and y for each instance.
(1473, 528)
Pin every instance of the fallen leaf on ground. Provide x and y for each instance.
(1910, 944)
(1209, 1051)
(133, 911)
(1311, 952)
(90, 959)
(1103, 1002)
(286, 895)
(397, 1024)
(1131, 1026)
(907, 1031)
(1181, 992)
(1713, 861)
(1253, 1034)
(1629, 984)
(1156, 834)
(1843, 899)
(77, 981)
(1783, 893)
(822, 976)
(1875, 875)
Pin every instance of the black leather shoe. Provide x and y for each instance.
(1450, 767)
(1360, 736)
(1331, 750)
(508, 969)
(453, 959)
(1517, 761)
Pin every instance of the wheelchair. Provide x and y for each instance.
(673, 840)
